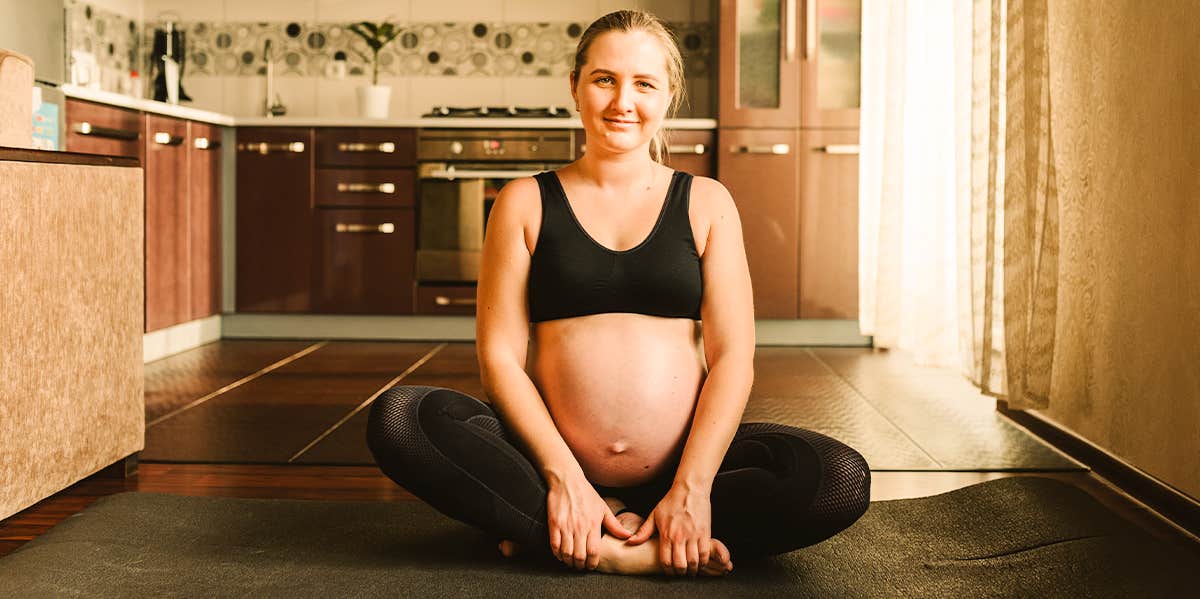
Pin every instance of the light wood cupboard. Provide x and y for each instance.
(828, 224)
(758, 166)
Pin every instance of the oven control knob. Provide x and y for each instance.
(456, 147)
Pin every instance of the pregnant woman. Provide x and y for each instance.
(616, 342)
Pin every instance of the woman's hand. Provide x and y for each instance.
(684, 521)
(575, 513)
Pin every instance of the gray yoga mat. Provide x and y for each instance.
(1024, 536)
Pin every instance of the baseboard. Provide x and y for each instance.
(1179, 508)
(179, 338)
(462, 328)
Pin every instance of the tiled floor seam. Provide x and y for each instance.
(392, 383)
(246, 379)
(863, 397)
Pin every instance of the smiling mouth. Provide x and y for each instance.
(620, 122)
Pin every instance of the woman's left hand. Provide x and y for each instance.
(683, 519)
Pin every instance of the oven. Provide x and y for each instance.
(460, 172)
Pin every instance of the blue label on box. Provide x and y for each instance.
(45, 126)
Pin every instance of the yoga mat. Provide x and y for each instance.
(1023, 536)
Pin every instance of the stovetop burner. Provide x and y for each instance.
(508, 112)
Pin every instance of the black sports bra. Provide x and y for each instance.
(570, 274)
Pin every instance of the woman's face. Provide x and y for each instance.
(623, 91)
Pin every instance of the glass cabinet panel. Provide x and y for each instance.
(758, 32)
(839, 67)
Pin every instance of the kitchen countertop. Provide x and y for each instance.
(215, 118)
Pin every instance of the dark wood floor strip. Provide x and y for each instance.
(368, 401)
(866, 399)
(292, 358)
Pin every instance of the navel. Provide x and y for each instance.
(618, 447)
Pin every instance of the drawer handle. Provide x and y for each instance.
(360, 228)
(839, 149)
(266, 148)
(771, 149)
(386, 147)
(163, 138)
(442, 300)
(367, 187)
(697, 149)
(204, 143)
(789, 29)
(86, 128)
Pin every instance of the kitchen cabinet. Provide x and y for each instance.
(168, 275)
(365, 201)
(275, 220)
(182, 174)
(789, 111)
(101, 129)
(758, 166)
(204, 218)
(688, 150)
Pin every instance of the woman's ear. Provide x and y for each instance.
(573, 95)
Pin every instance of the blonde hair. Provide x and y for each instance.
(628, 21)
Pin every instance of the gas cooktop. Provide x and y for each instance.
(509, 112)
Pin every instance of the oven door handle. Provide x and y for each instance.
(451, 174)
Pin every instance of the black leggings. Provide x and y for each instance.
(779, 487)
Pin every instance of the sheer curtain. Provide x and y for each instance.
(958, 215)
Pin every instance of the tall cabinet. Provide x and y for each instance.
(788, 141)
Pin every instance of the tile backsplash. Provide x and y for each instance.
(505, 55)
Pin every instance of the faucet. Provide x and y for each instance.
(276, 107)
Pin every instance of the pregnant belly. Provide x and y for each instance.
(622, 390)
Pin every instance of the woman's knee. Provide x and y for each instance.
(845, 490)
(403, 420)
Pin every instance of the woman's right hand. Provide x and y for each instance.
(575, 513)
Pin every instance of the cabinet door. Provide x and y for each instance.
(168, 278)
(759, 64)
(204, 191)
(832, 66)
(829, 224)
(366, 261)
(274, 219)
(758, 166)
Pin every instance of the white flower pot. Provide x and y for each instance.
(373, 101)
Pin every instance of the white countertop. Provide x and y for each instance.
(215, 118)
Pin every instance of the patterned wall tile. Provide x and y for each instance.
(112, 38)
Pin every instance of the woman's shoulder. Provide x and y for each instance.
(709, 197)
(519, 199)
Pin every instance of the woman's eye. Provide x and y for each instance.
(645, 84)
(604, 80)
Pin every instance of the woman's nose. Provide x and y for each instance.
(623, 98)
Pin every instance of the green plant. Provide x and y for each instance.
(377, 36)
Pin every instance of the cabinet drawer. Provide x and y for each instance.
(99, 129)
(366, 188)
(366, 261)
(692, 151)
(446, 300)
(374, 147)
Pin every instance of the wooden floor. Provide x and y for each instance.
(274, 418)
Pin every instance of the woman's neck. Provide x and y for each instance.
(623, 172)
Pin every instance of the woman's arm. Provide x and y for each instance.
(575, 512)
(683, 517)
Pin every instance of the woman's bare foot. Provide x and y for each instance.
(509, 548)
(618, 557)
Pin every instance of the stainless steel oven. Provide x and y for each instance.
(461, 171)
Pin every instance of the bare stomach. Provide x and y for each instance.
(621, 388)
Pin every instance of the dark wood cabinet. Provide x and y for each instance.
(382, 147)
(366, 261)
(366, 188)
(275, 220)
(101, 129)
(758, 166)
(168, 274)
(692, 151)
(204, 230)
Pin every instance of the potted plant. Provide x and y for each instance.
(373, 99)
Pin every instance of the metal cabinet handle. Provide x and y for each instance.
(450, 174)
(163, 138)
(442, 300)
(204, 143)
(838, 149)
(361, 228)
(771, 149)
(810, 29)
(789, 29)
(697, 149)
(386, 147)
(266, 148)
(367, 187)
(86, 128)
